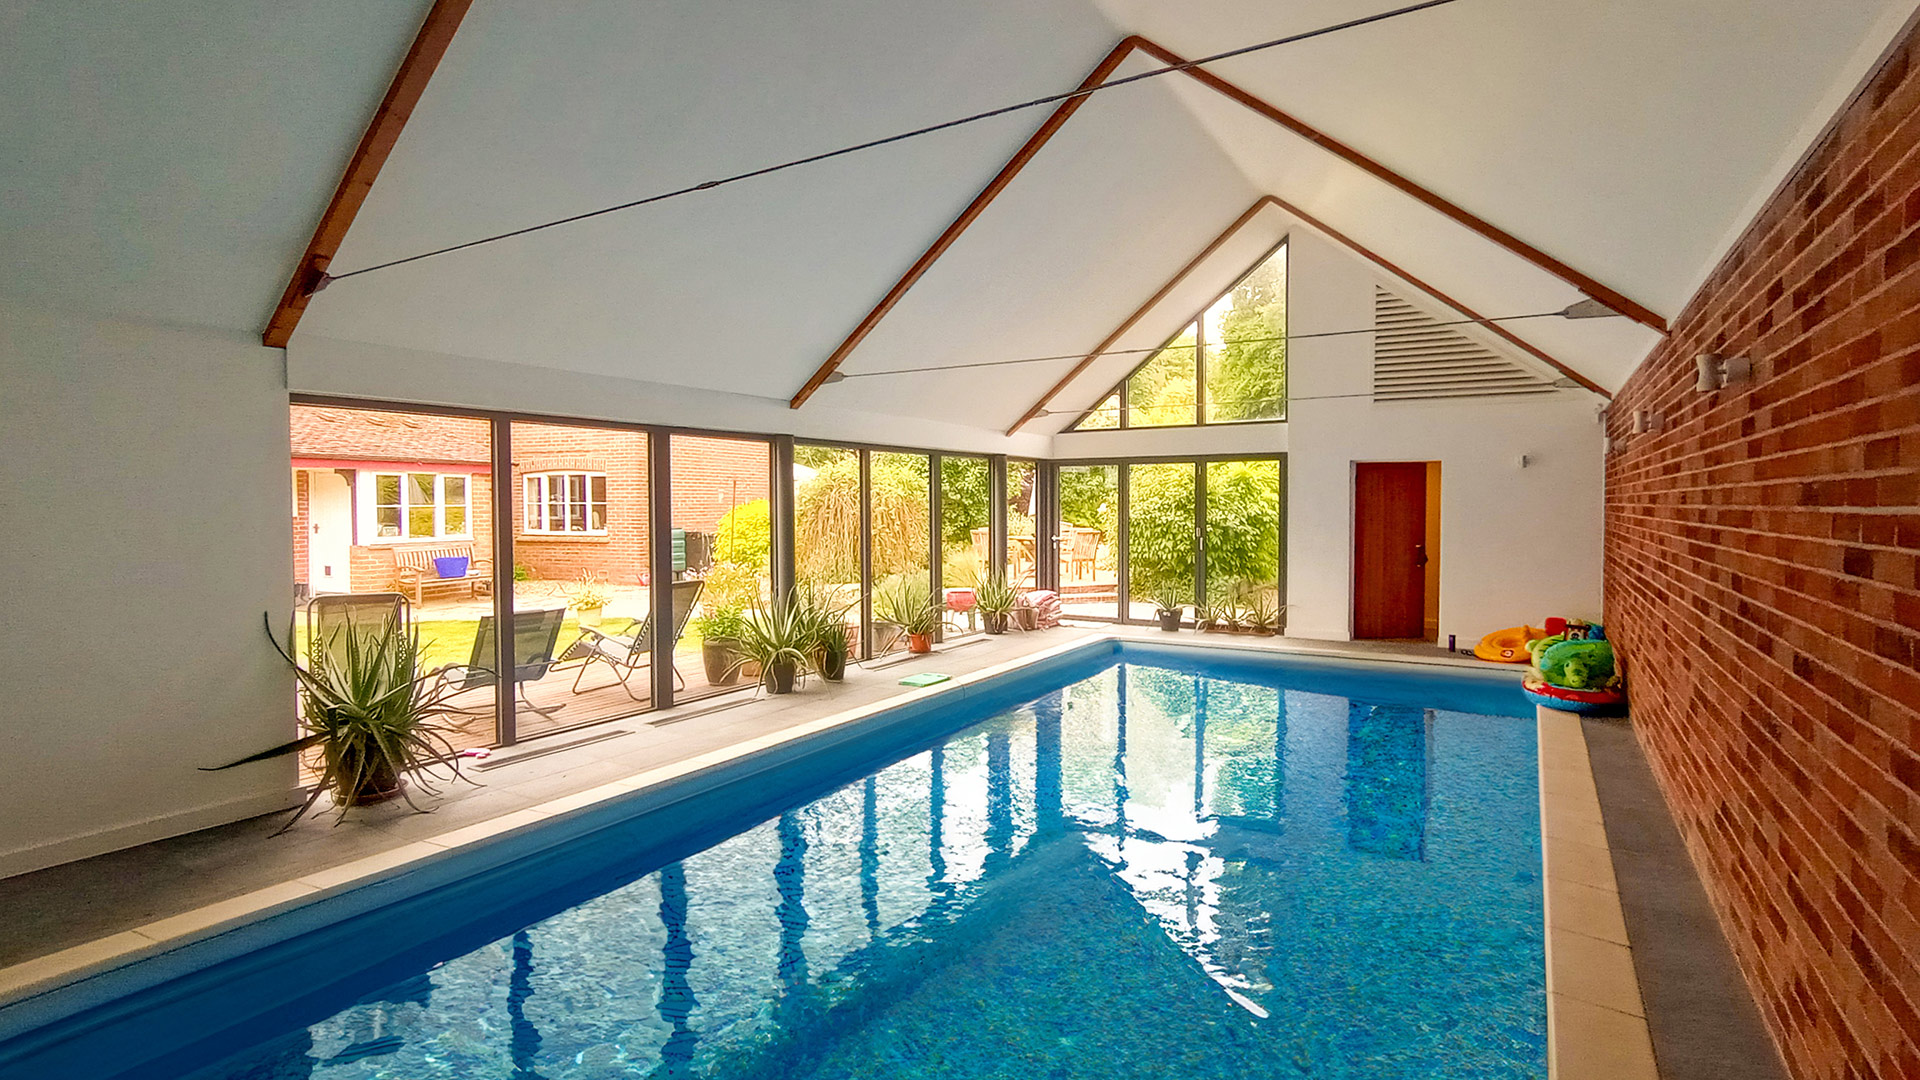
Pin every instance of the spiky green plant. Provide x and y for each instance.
(376, 718)
(778, 635)
(908, 603)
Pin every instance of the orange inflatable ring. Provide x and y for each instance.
(1508, 646)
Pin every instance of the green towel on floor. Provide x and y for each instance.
(924, 679)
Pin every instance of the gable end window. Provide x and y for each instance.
(565, 502)
(1227, 366)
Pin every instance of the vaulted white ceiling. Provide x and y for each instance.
(168, 162)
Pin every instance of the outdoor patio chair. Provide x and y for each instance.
(331, 617)
(535, 635)
(1085, 549)
(628, 655)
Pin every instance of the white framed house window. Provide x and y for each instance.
(565, 502)
(421, 506)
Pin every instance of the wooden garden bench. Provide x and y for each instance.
(416, 574)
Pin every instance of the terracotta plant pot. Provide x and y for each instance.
(919, 643)
(379, 785)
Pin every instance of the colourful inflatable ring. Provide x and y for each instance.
(1508, 646)
(1584, 702)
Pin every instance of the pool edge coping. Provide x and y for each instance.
(52, 972)
(1596, 1013)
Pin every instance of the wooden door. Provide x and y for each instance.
(1389, 549)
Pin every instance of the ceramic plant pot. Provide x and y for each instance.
(779, 677)
(721, 658)
(1169, 620)
(919, 643)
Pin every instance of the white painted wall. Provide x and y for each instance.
(1516, 545)
(143, 514)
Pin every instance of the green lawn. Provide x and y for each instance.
(450, 641)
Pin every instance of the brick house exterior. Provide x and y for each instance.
(1763, 586)
(339, 452)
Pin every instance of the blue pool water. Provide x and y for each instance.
(1165, 868)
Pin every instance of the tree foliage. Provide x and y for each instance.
(1247, 372)
(827, 519)
(745, 535)
(1245, 362)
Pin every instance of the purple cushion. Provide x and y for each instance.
(452, 566)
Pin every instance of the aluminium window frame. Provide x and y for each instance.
(1123, 492)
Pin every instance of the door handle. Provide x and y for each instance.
(1419, 554)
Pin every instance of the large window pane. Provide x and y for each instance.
(1246, 348)
(368, 521)
(1161, 393)
(902, 522)
(723, 554)
(1243, 533)
(826, 524)
(1022, 539)
(588, 588)
(1160, 536)
(964, 542)
(1088, 535)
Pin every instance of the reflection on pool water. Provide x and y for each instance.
(1152, 873)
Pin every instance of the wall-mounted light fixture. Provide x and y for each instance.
(1714, 371)
(1645, 421)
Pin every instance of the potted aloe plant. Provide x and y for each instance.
(377, 719)
(996, 599)
(826, 621)
(908, 604)
(1265, 614)
(778, 638)
(1168, 602)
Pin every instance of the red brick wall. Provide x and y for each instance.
(621, 555)
(300, 528)
(1761, 557)
(711, 476)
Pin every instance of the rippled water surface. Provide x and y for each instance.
(1150, 873)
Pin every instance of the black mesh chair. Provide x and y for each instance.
(627, 656)
(535, 636)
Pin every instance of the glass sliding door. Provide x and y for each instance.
(965, 546)
(1243, 535)
(390, 502)
(1161, 537)
(826, 526)
(1023, 541)
(901, 538)
(1088, 538)
(581, 594)
(722, 556)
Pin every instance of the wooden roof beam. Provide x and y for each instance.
(1065, 110)
(383, 131)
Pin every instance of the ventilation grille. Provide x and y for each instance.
(1415, 358)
